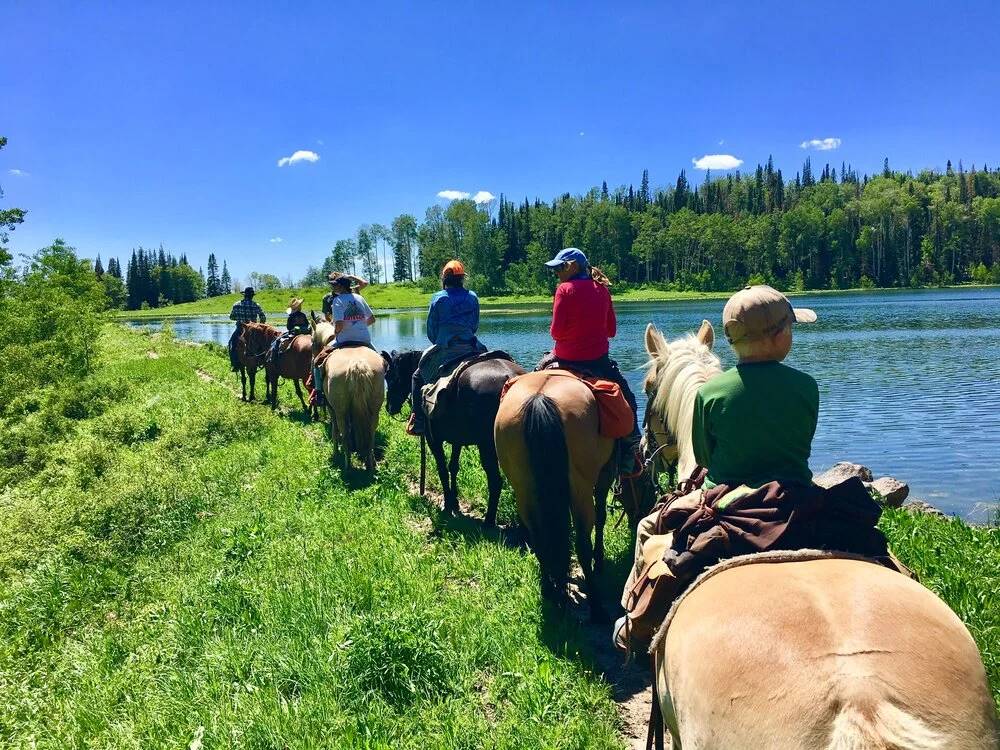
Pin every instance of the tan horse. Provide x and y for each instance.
(354, 388)
(831, 654)
(550, 449)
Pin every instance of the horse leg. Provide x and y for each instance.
(600, 517)
(298, 392)
(494, 480)
(243, 382)
(437, 450)
(272, 389)
(253, 383)
(585, 554)
(451, 496)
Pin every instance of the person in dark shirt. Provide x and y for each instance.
(296, 325)
(244, 311)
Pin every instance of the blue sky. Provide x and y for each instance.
(145, 123)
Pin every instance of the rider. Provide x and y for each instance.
(452, 322)
(244, 311)
(760, 396)
(297, 325)
(583, 319)
(349, 311)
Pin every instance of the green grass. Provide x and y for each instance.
(177, 565)
(409, 296)
(385, 297)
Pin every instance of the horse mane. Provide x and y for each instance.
(676, 375)
(322, 336)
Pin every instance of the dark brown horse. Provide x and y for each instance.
(294, 362)
(466, 420)
(252, 344)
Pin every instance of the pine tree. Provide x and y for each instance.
(644, 196)
(226, 281)
(886, 172)
(807, 174)
(604, 190)
(212, 280)
(98, 268)
(681, 191)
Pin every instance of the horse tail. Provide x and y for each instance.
(548, 459)
(365, 387)
(885, 728)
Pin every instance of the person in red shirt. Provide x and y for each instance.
(583, 319)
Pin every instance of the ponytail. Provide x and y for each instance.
(599, 276)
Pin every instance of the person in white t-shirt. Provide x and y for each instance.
(351, 314)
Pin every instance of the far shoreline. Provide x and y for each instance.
(390, 299)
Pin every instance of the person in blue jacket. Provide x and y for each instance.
(452, 322)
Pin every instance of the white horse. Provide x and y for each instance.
(832, 654)
(353, 382)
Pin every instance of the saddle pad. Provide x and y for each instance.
(614, 414)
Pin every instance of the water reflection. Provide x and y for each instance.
(907, 379)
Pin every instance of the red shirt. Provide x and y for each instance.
(583, 319)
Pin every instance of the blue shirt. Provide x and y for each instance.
(453, 314)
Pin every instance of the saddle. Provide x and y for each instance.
(329, 349)
(438, 394)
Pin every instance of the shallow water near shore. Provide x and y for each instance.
(908, 380)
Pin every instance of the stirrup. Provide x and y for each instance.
(638, 468)
(411, 427)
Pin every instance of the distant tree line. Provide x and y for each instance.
(155, 278)
(834, 230)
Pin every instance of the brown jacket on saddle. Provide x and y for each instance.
(731, 521)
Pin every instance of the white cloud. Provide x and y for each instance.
(275, 240)
(483, 196)
(722, 141)
(821, 144)
(453, 195)
(17, 172)
(298, 156)
(717, 161)
(582, 133)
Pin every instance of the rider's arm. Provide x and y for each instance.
(371, 320)
(260, 314)
(361, 282)
(560, 315)
(475, 318)
(700, 439)
(611, 324)
(339, 326)
(432, 320)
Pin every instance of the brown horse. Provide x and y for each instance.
(354, 388)
(833, 654)
(294, 363)
(252, 344)
(549, 446)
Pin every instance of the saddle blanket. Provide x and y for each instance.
(435, 394)
(614, 413)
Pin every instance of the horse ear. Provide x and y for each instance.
(386, 356)
(656, 345)
(312, 315)
(706, 334)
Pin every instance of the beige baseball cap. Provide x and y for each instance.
(756, 312)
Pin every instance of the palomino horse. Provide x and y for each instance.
(467, 421)
(352, 382)
(252, 344)
(293, 363)
(550, 447)
(837, 654)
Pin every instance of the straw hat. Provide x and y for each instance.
(295, 305)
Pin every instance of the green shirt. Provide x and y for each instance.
(755, 423)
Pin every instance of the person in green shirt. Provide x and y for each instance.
(755, 422)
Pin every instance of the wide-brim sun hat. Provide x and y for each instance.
(756, 312)
(295, 304)
(567, 255)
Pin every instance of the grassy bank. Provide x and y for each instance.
(409, 296)
(177, 567)
(386, 297)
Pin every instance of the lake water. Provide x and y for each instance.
(908, 380)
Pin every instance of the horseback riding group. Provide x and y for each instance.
(773, 612)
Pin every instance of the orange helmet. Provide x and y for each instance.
(452, 268)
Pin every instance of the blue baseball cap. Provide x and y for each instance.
(566, 255)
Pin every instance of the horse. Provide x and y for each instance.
(354, 391)
(294, 363)
(830, 653)
(551, 450)
(468, 420)
(251, 347)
